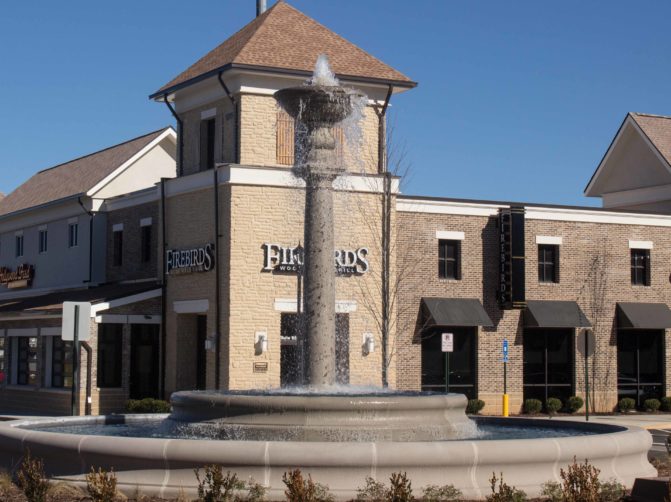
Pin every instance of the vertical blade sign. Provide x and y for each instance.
(511, 258)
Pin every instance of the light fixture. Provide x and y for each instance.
(368, 343)
(261, 342)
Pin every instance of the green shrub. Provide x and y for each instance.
(474, 406)
(147, 405)
(504, 492)
(373, 491)
(215, 487)
(665, 403)
(651, 405)
(553, 405)
(626, 404)
(532, 406)
(445, 493)
(574, 403)
(101, 485)
(400, 489)
(551, 490)
(31, 479)
(612, 491)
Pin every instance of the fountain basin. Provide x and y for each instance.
(383, 416)
(164, 466)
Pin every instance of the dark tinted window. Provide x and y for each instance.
(117, 248)
(207, 129)
(145, 243)
(110, 343)
(548, 263)
(449, 259)
(640, 267)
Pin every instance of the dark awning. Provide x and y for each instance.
(643, 316)
(455, 312)
(554, 314)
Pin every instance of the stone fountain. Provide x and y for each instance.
(338, 437)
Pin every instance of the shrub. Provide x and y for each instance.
(504, 492)
(552, 491)
(101, 485)
(553, 405)
(665, 403)
(474, 406)
(651, 405)
(300, 489)
(215, 487)
(31, 479)
(574, 403)
(612, 491)
(256, 492)
(147, 405)
(400, 489)
(373, 491)
(580, 483)
(532, 406)
(445, 493)
(626, 404)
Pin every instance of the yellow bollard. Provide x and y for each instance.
(505, 405)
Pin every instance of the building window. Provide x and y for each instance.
(3, 360)
(548, 263)
(19, 245)
(61, 363)
(462, 363)
(117, 248)
(145, 243)
(207, 139)
(640, 267)
(110, 342)
(286, 139)
(640, 364)
(26, 370)
(73, 234)
(449, 259)
(42, 241)
(547, 369)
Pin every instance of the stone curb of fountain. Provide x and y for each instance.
(642, 420)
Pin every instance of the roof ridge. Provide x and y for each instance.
(653, 115)
(103, 150)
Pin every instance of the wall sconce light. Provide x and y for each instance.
(261, 342)
(209, 344)
(368, 343)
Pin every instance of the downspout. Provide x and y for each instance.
(217, 284)
(180, 134)
(91, 216)
(382, 168)
(89, 375)
(236, 119)
(164, 279)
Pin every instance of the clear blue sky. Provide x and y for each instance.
(516, 100)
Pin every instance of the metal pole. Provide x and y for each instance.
(75, 364)
(586, 332)
(505, 390)
(447, 372)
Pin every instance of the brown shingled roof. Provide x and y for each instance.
(658, 129)
(285, 38)
(74, 177)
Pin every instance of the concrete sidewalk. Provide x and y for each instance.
(644, 420)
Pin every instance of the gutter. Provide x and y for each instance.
(164, 335)
(180, 135)
(217, 284)
(91, 216)
(236, 124)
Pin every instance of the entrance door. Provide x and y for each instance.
(548, 364)
(640, 364)
(462, 362)
(144, 350)
(201, 354)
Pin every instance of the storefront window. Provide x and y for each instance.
(61, 363)
(640, 364)
(27, 360)
(462, 362)
(110, 342)
(548, 364)
(3, 359)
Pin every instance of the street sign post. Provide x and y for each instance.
(447, 346)
(505, 404)
(76, 328)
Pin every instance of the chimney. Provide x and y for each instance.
(260, 7)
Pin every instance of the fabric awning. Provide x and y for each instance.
(554, 314)
(643, 316)
(455, 312)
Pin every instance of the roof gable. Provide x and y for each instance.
(285, 38)
(638, 157)
(74, 177)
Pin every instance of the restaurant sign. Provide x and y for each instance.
(22, 277)
(186, 261)
(277, 258)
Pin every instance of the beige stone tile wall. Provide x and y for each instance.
(594, 257)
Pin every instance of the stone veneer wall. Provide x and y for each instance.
(582, 242)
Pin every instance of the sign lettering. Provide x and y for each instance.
(511, 289)
(447, 342)
(22, 277)
(278, 258)
(186, 261)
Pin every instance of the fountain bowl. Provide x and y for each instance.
(316, 105)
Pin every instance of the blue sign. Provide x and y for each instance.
(505, 351)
